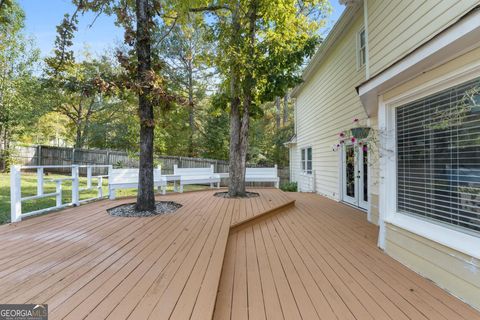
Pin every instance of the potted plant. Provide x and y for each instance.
(358, 135)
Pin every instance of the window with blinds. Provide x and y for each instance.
(438, 157)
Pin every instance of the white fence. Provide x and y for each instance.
(16, 188)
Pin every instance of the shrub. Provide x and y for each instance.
(289, 187)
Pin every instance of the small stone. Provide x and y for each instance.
(128, 210)
(224, 194)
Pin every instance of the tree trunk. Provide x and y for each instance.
(191, 108)
(236, 166)
(285, 109)
(145, 195)
(278, 112)
(236, 187)
(78, 136)
(240, 118)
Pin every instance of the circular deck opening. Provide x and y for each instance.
(128, 209)
(248, 194)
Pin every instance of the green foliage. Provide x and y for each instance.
(18, 62)
(289, 187)
(214, 140)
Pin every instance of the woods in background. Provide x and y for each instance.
(80, 104)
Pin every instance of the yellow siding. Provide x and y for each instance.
(326, 105)
(396, 28)
(469, 58)
(455, 272)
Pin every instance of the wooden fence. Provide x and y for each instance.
(48, 155)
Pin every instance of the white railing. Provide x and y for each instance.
(16, 188)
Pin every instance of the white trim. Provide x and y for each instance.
(444, 235)
(461, 37)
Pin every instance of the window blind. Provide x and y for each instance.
(438, 156)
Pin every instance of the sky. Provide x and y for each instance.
(42, 17)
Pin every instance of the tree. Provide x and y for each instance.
(82, 90)
(262, 44)
(18, 61)
(185, 52)
(141, 20)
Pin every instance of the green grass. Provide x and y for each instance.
(29, 188)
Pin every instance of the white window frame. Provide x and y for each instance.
(304, 162)
(361, 64)
(441, 233)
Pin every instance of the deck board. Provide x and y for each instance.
(257, 258)
(87, 264)
(319, 260)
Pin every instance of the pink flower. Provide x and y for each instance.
(365, 148)
(353, 139)
(342, 141)
(355, 120)
(338, 145)
(342, 134)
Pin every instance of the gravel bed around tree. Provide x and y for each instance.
(248, 194)
(128, 210)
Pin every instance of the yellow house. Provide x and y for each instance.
(410, 72)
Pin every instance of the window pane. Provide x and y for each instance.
(365, 173)
(303, 159)
(438, 146)
(350, 170)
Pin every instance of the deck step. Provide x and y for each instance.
(262, 216)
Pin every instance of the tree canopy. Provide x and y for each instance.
(192, 78)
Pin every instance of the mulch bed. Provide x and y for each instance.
(128, 210)
(224, 194)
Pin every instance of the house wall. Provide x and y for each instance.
(326, 105)
(396, 28)
(452, 270)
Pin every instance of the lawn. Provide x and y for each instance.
(29, 188)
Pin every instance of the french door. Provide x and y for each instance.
(355, 175)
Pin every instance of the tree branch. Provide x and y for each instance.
(210, 8)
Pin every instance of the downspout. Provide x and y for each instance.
(367, 53)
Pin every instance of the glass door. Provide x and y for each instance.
(355, 175)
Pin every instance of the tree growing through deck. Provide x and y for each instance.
(143, 72)
(261, 45)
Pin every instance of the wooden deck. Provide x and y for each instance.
(319, 260)
(264, 257)
(86, 264)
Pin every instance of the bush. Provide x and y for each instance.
(289, 187)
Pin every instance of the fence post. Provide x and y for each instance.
(58, 190)
(89, 177)
(111, 192)
(73, 156)
(100, 187)
(15, 194)
(75, 191)
(39, 181)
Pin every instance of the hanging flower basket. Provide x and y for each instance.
(360, 132)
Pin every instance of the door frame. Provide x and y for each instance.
(356, 201)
